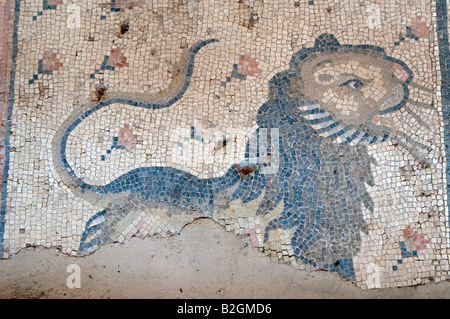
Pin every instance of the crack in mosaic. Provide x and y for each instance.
(332, 155)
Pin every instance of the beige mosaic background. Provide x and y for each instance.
(42, 211)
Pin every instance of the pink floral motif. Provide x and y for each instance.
(414, 239)
(117, 59)
(420, 28)
(54, 2)
(127, 138)
(248, 66)
(50, 62)
(127, 4)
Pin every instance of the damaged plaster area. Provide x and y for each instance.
(237, 149)
(203, 261)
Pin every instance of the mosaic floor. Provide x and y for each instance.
(317, 128)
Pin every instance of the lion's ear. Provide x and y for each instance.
(326, 41)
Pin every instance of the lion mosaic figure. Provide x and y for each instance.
(327, 107)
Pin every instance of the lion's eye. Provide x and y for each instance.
(353, 84)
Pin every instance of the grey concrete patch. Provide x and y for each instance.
(203, 261)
